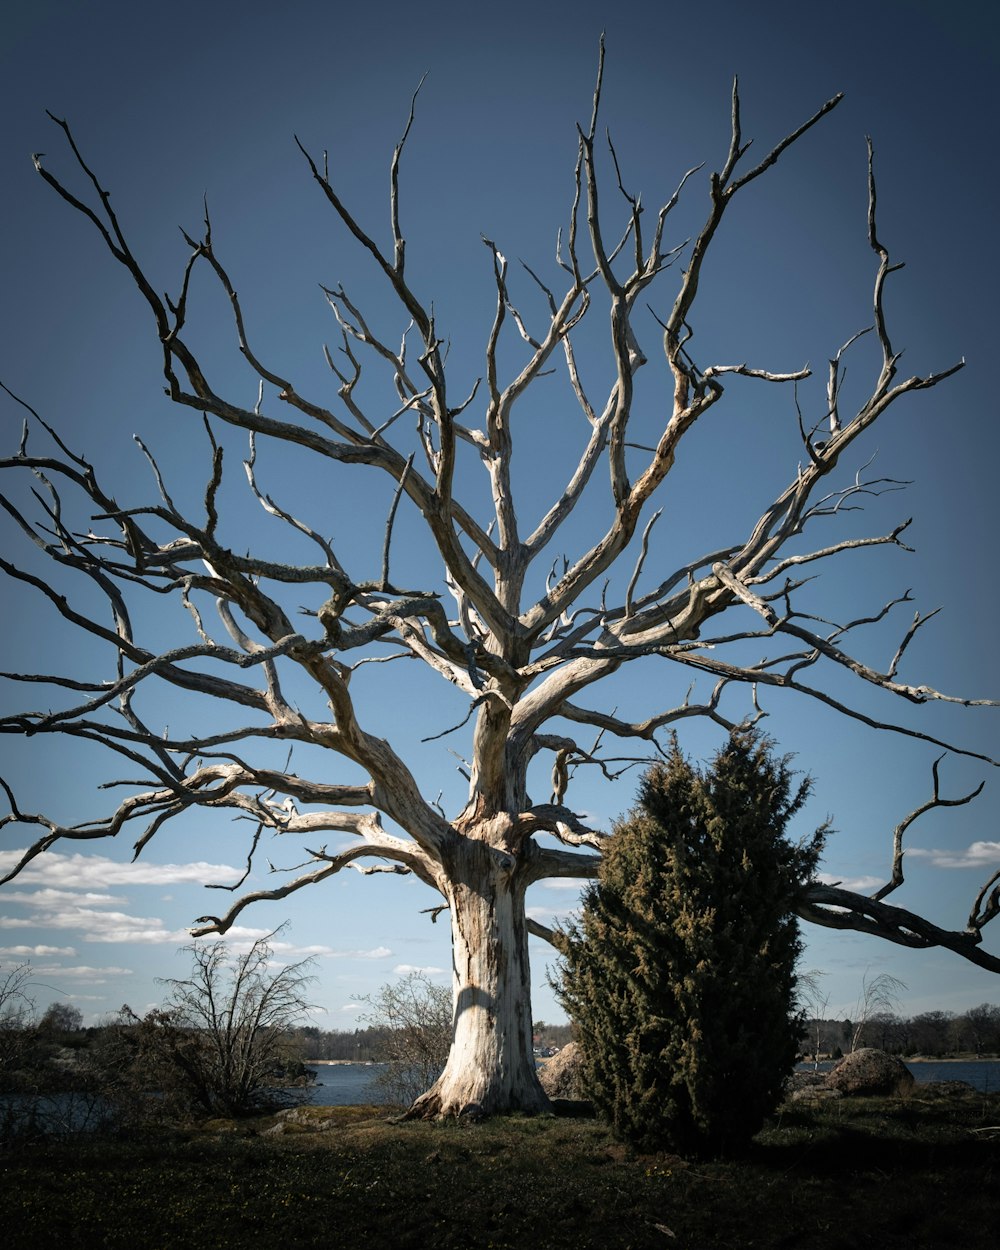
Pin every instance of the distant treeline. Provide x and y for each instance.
(937, 1033)
(369, 1044)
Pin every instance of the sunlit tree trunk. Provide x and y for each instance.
(491, 1067)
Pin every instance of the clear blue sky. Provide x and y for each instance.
(171, 103)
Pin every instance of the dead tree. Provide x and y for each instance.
(523, 649)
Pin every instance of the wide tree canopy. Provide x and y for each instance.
(528, 609)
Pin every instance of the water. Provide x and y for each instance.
(981, 1074)
(343, 1084)
(352, 1084)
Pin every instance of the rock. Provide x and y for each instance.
(799, 1081)
(809, 1087)
(560, 1075)
(868, 1072)
(306, 1119)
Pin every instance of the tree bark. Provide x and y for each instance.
(491, 1066)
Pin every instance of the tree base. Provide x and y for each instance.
(434, 1105)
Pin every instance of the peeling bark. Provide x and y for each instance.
(491, 1067)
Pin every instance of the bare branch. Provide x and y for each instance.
(898, 833)
(836, 908)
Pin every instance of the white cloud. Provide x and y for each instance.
(562, 883)
(976, 855)
(241, 938)
(100, 926)
(78, 871)
(328, 952)
(68, 900)
(37, 952)
(245, 938)
(54, 898)
(406, 969)
(84, 972)
(860, 885)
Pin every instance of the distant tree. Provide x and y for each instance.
(549, 1036)
(413, 1017)
(681, 974)
(885, 1030)
(982, 1027)
(930, 1032)
(61, 1018)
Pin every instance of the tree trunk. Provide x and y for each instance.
(491, 1066)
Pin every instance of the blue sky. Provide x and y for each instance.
(173, 104)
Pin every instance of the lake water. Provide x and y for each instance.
(981, 1074)
(351, 1084)
(343, 1084)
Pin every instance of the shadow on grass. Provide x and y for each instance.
(888, 1174)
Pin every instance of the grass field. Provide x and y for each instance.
(917, 1172)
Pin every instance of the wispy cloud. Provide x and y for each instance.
(858, 884)
(99, 926)
(80, 872)
(54, 898)
(546, 915)
(241, 939)
(74, 895)
(427, 969)
(975, 855)
(82, 972)
(36, 952)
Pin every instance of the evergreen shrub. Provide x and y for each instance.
(680, 976)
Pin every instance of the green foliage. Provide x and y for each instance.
(681, 974)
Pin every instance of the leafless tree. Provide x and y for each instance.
(17, 1017)
(931, 1031)
(982, 1026)
(813, 1004)
(879, 997)
(524, 648)
(227, 1023)
(413, 1016)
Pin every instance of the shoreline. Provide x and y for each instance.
(348, 1063)
(950, 1059)
(921, 1059)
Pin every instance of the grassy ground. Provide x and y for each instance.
(887, 1173)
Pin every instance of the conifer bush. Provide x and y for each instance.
(680, 976)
